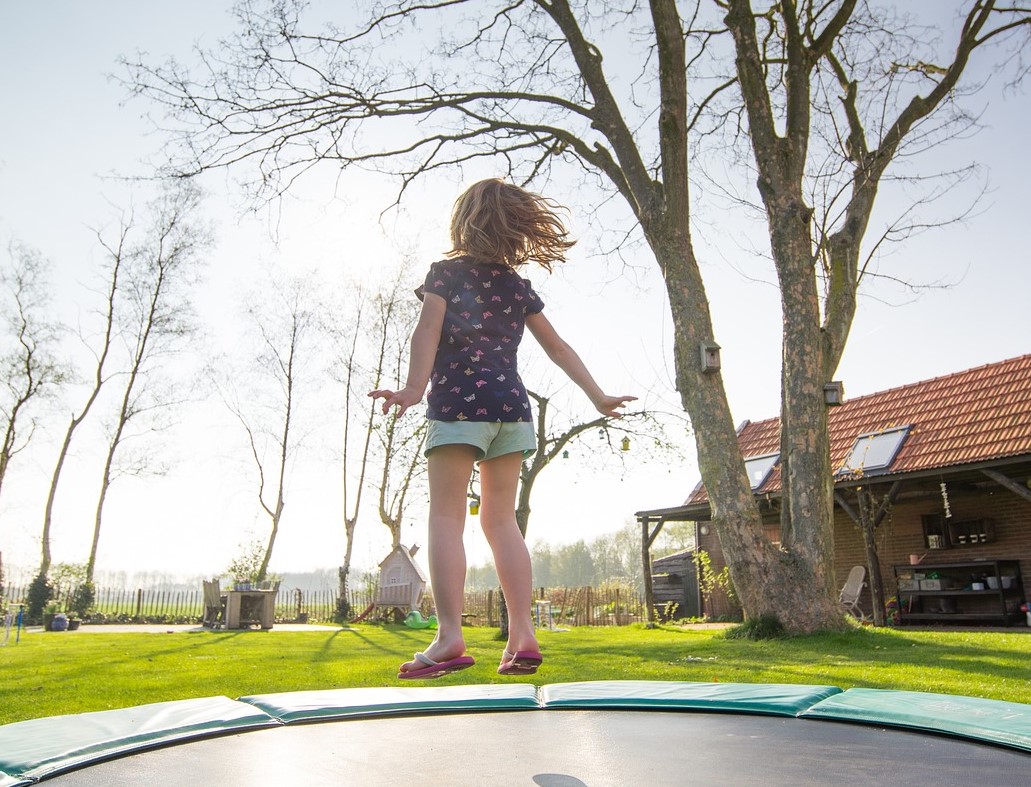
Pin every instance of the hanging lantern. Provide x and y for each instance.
(601, 434)
(474, 507)
(625, 443)
(565, 454)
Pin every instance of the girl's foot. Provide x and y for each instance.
(438, 652)
(521, 662)
(433, 669)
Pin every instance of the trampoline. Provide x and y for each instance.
(558, 735)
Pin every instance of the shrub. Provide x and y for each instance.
(709, 580)
(39, 593)
(82, 599)
(766, 626)
(669, 611)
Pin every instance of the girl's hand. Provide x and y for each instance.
(402, 399)
(609, 405)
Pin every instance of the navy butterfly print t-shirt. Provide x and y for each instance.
(475, 374)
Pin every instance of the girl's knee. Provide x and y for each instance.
(497, 520)
(503, 530)
(446, 524)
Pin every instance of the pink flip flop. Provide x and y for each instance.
(522, 662)
(434, 669)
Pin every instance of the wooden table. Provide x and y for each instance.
(247, 607)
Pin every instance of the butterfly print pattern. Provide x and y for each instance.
(475, 374)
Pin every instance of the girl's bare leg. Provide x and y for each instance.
(499, 479)
(449, 468)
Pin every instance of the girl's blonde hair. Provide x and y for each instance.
(494, 220)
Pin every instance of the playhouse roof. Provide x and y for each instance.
(405, 554)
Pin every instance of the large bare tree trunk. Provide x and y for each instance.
(766, 580)
(806, 478)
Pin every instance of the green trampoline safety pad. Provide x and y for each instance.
(34, 749)
(766, 698)
(41, 748)
(990, 721)
(302, 706)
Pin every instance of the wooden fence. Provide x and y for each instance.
(580, 606)
(187, 606)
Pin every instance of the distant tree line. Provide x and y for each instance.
(610, 558)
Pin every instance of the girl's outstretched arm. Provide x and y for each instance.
(568, 361)
(425, 339)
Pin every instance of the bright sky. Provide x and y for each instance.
(66, 129)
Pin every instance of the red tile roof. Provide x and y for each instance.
(979, 415)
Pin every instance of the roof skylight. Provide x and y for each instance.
(874, 451)
(759, 467)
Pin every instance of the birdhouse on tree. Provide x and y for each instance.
(401, 581)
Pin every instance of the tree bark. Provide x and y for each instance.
(806, 478)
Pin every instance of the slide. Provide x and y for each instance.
(365, 614)
(415, 620)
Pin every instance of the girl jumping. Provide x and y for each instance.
(474, 308)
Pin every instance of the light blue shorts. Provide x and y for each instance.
(491, 439)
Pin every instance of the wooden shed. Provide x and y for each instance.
(402, 582)
(675, 581)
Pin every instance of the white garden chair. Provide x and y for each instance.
(853, 589)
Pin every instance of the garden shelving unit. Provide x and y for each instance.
(946, 592)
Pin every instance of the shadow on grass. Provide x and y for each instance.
(987, 664)
(990, 664)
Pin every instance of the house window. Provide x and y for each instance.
(759, 467)
(874, 451)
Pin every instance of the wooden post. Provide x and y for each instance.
(647, 539)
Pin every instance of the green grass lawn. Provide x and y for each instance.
(52, 674)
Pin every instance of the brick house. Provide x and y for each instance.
(945, 465)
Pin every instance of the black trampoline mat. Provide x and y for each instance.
(564, 748)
